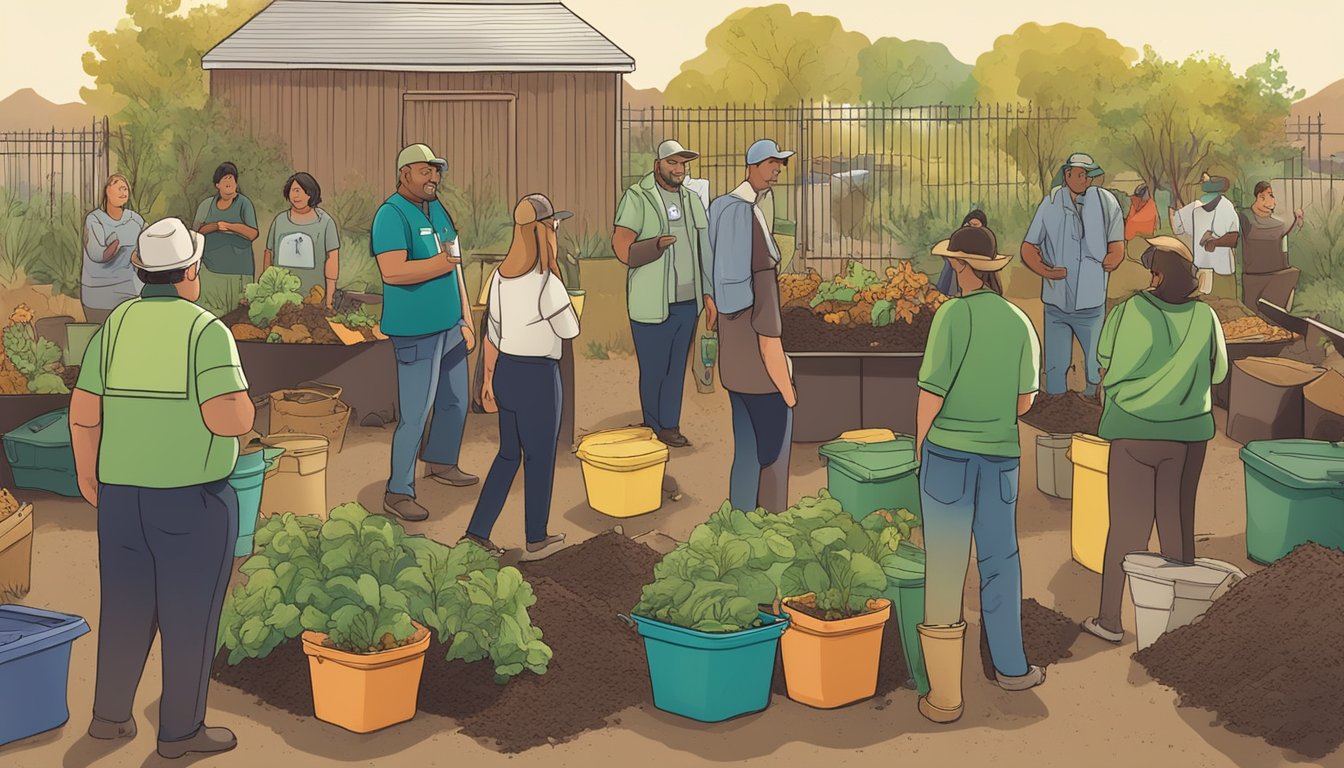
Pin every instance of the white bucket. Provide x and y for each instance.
(1169, 594)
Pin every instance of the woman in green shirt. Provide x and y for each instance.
(229, 223)
(303, 239)
(1161, 351)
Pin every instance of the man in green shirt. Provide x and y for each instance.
(154, 422)
(662, 234)
(980, 372)
(1161, 352)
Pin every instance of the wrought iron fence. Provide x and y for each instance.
(868, 183)
(66, 167)
(1311, 173)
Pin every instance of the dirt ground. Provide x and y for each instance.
(1098, 707)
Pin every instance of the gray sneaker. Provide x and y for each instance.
(449, 474)
(1034, 677)
(405, 507)
(107, 730)
(206, 741)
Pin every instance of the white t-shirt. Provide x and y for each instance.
(530, 315)
(1192, 221)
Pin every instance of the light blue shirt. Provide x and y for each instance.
(1060, 231)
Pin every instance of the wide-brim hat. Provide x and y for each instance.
(976, 246)
(166, 245)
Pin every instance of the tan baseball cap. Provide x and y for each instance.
(1173, 244)
(673, 148)
(420, 153)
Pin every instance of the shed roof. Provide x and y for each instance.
(419, 36)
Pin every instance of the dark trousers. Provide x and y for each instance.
(762, 437)
(1149, 481)
(527, 390)
(164, 557)
(662, 350)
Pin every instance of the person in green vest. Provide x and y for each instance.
(154, 423)
(1161, 352)
(229, 223)
(427, 315)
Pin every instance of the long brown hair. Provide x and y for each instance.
(110, 181)
(533, 249)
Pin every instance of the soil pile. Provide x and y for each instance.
(1267, 656)
(1047, 634)
(598, 668)
(310, 316)
(1064, 414)
(804, 331)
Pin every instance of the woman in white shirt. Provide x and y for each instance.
(528, 317)
(110, 231)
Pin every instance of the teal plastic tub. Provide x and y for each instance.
(865, 477)
(905, 590)
(40, 456)
(1294, 494)
(711, 677)
(249, 473)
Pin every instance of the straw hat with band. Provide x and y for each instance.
(976, 246)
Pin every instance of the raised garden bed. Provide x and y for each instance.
(366, 373)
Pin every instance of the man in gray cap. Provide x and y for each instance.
(1076, 239)
(752, 364)
(427, 315)
(661, 234)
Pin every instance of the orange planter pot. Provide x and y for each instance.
(363, 692)
(829, 664)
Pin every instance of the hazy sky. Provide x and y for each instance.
(41, 41)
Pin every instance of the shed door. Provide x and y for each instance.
(474, 132)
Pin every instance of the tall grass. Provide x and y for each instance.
(41, 241)
(1318, 250)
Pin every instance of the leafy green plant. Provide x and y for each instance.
(362, 317)
(60, 257)
(359, 270)
(20, 234)
(884, 313)
(36, 358)
(596, 350)
(276, 288)
(484, 218)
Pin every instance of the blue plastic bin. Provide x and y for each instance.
(34, 669)
(247, 478)
(709, 676)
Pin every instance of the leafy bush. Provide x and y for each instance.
(60, 255)
(361, 580)
(483, 217)
(276, 288)
(363, 317)
(33, 356)
(1322, 298)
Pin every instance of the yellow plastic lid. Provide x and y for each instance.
(868, 435)
(626, 449)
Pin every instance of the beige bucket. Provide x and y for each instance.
(312, 408)
(16, 553)
(299, 482)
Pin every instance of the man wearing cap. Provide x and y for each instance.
(1075, 240)
(752, 364)
(1211, 229)
(661, 234)
(425, 314)
(154, 424)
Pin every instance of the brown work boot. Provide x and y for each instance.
(206, 741)
(405, 507)
(107, 729)
(449, 474)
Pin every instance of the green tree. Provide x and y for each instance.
(1059, 69)
(772, 56)
(904, 73)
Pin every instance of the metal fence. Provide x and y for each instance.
(866, 181)
(67, 168)
(1312, 171)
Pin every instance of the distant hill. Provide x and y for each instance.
(1329, 105)
(26, 110)
(637, 98)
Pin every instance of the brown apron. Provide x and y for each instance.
(1266, 273)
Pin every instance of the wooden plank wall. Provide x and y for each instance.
(345, 127)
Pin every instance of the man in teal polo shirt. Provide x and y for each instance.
(154, 423)
(424, 303)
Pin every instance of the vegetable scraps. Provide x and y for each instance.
(276, 288)
(35, 358)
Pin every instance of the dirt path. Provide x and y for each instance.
(1098, 708)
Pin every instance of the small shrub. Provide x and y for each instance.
(596, 351)
(276, 288)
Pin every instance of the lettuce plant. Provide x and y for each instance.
(36, 358)
(276, 288)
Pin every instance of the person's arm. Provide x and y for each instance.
(621, 240)
(221, 387)
(707, 273)
(777, 366)
(230, 415)
(332, 273)
(1115, 232)
(248, 228)
(943, 355)
(86, 431)
(1220, 364)
(1028, 369)
(488, 377)
(468, 323)
(1298, 218)
(1031, 248)
(558, 310)
(925, 412)
(391, 243)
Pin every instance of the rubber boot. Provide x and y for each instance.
(943, 648)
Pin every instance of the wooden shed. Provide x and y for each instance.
(518, 96)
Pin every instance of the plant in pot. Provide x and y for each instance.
(711, 650)
(835, 584)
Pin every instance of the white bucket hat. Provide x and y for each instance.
(166, 245)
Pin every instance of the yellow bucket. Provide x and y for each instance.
(1091, 506)
(299, 482)
(868, 436)
(623, 471)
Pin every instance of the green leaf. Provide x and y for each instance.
(827, 537)
(883, 313)
(368, 591)
(285, 618)
(314, 620)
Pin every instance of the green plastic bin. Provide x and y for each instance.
(905, 590)
(40, 456)
(1294, 494)
(865, 477)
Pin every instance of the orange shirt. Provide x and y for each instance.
(1142, 219)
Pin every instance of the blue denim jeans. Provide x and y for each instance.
(662, 350)
(528, 392)
(431, 376)
(762, 437)
(966, 495)
(1061, 328)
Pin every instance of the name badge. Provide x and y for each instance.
(426, 232)
(673, 212)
